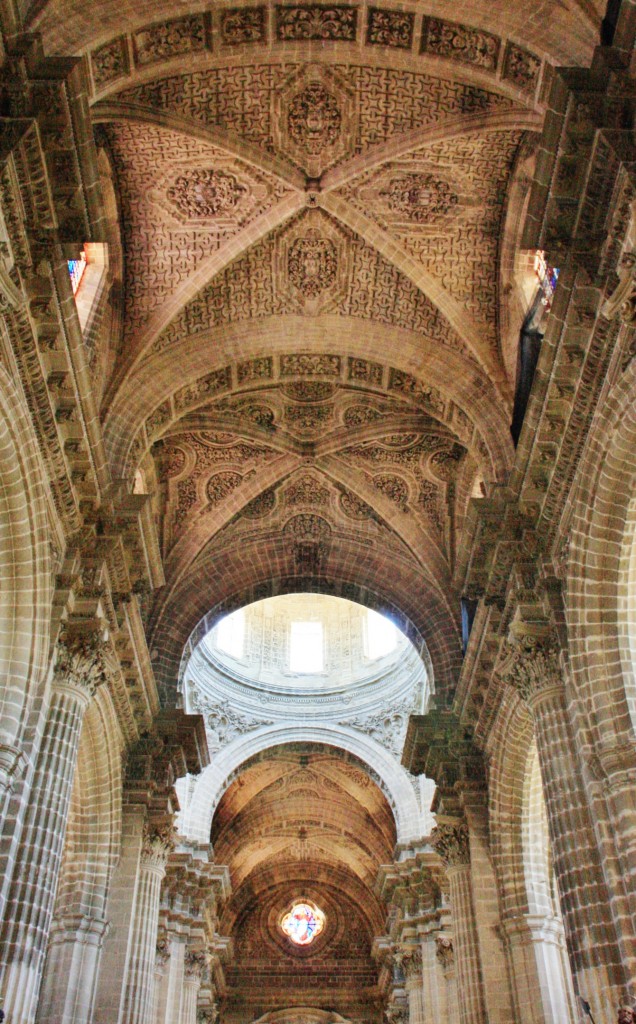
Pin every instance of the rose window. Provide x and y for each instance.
(303, 923)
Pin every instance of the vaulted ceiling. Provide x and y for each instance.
(303, 822)
(310, 353)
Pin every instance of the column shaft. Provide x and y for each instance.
(72, 966)
(25, 932)
(138, 995)
(472, 1009)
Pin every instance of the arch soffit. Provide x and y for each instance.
(382, 767)
(424, 613)
(600, 581)
(25, 556)
(153, 388)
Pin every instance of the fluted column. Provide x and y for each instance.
(532, 665)
(195, 964)
(452, 844)
(536, 954)
(410, 959)
(72, 963)
(169, 996)
(138, 997)
(80, 667)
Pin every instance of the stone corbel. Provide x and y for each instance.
(622, 301)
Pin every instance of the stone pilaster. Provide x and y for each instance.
(72, 964)
(451, 841)
(138, 995)
(168, 993)
(410, 960)
(532, 665)
(81, 666)
(536, 953)
(195, 966)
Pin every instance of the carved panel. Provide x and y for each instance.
(390, 28)
(460, 43)
(313, 119)
(521, 67)
(109, 62)
(315, 21)
(243, 25)
(170, 39)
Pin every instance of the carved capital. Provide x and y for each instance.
(531, 664)
(397, 1013)
(451, 842)
(162, 953)
(208, 1015)
(158, 844)
(195, 964)
(409, 958)
(444, 951)
(83, 659)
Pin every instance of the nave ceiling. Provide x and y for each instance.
(308, 353)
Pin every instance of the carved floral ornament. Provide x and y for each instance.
(205, 193)
(158, 844)
(312, 264)
(83, 659)
(531, 664)
(451, 842)
(444, 951)
(409, 959)
(419, 196)
(314, 120)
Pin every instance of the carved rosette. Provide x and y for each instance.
(158, 844)
(445, 952)
(531, 665)
(452, 843)
(83, 660)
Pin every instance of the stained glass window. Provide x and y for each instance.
(76, 270)
(548, 277)
(303, 923)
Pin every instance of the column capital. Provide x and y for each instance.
(84, 658)
(158, 842)
(444, 951)
(207, 1015)
(409, 958)
(451, 841)
(195, 964)
(530, 662)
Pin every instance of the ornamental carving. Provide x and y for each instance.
(307, 491)
(242, 25)
(224, 724)
(409, 958)
(195, 964)
(314, 120)
(221, 485)
(444, 951)
(308, 527)
(452, 844)
(109, 62)
(310, 366)
(395, 488)
(312, 264)
(314, 21)
(419, 196)
(206, 193)
(260, 506)
(521, 67)
(460, 43)
(354, 507)
(158, 844)
(170, 39)
(390, 28)
(309, 391)
(531, 664)
(162, 954)
(83, 659)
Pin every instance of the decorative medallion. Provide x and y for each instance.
(419, 196)
(206, 193)
(314, 120)
(312, 263)
(303, 923)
